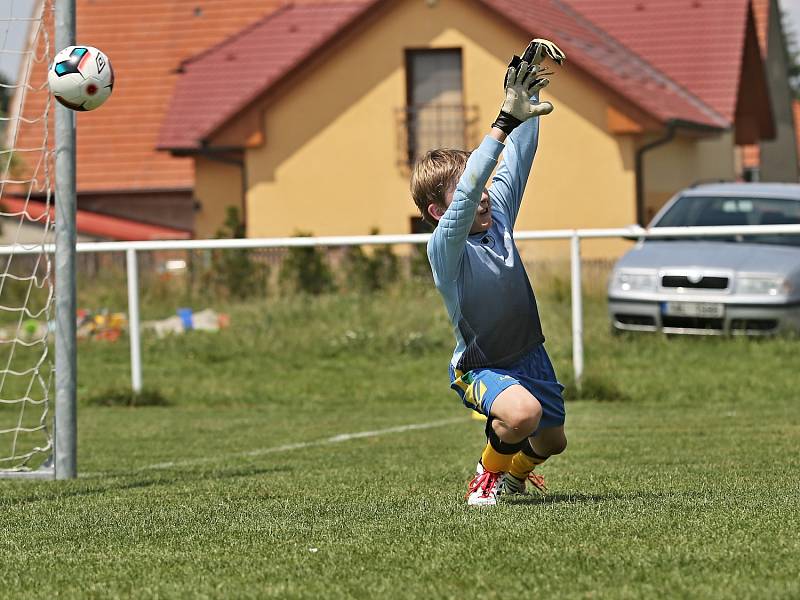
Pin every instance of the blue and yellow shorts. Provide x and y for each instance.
(534, 371)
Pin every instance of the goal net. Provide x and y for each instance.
(26, 238)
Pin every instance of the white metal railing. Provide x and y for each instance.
(574, 235)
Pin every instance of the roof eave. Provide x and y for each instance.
(700, 129)
(182, 150)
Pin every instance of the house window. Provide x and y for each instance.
(435, 115)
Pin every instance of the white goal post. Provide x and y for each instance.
(37, 285)
(66, 444)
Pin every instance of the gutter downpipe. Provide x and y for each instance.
(672, 127)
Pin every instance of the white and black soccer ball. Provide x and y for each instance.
(81, 77)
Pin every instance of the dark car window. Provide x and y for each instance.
(695, 211)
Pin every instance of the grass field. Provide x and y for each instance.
(680, 480)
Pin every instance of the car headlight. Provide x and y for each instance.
(634, 281)
(768, 286)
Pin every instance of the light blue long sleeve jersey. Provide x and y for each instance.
(481, 277)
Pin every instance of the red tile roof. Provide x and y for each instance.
(96, 225)
(145, 40)
(268, 50)
(589, 46)
(260, 55)
(696, 43)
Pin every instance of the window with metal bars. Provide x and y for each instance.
(435, 115)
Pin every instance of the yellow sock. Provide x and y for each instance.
(522, 464)
(494, 461)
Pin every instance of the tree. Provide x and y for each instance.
(241, 275)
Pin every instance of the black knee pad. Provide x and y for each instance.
(499, 445)
(528, 450)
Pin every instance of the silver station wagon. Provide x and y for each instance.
(714, 286)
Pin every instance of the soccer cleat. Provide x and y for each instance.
(484, 487)
(512, 485)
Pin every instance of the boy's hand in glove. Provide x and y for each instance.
(521, 83)
(523, 80)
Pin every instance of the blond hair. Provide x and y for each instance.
(433, 176)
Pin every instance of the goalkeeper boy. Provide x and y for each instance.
(499, 367)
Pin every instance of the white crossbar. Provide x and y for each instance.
(414, 238)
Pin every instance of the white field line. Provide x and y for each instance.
(336, 439)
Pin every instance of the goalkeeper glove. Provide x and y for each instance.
(535, 52)
(521, 84)
(538, 48)
(517, 85)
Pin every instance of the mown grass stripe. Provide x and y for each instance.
(335, 439)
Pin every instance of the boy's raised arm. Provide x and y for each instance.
(508, 184)
(446, 246)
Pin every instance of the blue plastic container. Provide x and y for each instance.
(186, 317)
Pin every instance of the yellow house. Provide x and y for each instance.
(308, 119)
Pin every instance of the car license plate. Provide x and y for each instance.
(693, 309)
